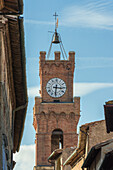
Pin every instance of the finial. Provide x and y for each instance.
(56, 22)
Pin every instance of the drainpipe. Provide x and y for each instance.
(13, 112)
(52, 163)
(61, 163)
(87, 140)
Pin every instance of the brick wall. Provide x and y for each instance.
(62, 69)
(49, 115)
(45, 121)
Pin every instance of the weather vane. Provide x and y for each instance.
(56, 39)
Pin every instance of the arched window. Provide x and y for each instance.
(56, 139)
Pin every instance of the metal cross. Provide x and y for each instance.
(55, 15)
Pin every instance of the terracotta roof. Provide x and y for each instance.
(16, 34)
(11, 7)
(110, 102)
(92, 123)
(93, 152)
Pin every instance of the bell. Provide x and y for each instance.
(56, 39)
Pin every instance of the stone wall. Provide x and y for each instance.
(6, 93)
(97, 133)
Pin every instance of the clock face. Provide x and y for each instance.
(56, 87)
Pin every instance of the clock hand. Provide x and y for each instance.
(60, 87)
(55, 89)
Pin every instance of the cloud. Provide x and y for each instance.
(96, 14)
(93, 15)
(80, 89)
(91, 62)
(87, 62)
(25, 158)
(29, 21)
(33, 91)
(82, 63)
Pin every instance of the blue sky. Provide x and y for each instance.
(86, 27)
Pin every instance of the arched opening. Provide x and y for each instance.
(56, 139)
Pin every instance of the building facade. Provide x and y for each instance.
(91, 134)
(56, 113)
(13, 89)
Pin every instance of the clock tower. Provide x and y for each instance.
(56, 113)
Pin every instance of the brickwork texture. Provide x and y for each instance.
(49, 115)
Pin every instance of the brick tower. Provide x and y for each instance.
(56, 113)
